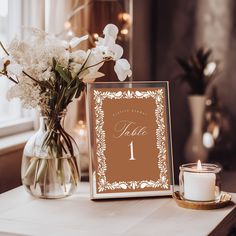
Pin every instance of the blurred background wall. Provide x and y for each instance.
(166, 29)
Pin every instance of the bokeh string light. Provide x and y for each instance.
(124, 18)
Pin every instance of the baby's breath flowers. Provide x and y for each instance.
(43, 66)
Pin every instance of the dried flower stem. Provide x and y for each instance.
(4, 49)
(107, 59)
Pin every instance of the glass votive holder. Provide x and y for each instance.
(200, 182)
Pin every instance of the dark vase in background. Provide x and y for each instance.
(194, 148)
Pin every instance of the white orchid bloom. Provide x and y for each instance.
(109, 48)
(91, 77)
(122, 69)
(78, 56)
(95, 61)
(107, 45)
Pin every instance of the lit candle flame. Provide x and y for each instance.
(199, 165)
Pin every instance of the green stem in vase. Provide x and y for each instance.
(31, 168)
(36, 173)
(45, 178)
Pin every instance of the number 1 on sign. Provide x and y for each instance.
(131, 151)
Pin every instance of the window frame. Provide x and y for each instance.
(25, 122)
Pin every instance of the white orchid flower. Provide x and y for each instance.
(107, 45)
(78, 56)
(122, 69)
(95, 61)
(91, 77)
(109, 48)
(111, 30)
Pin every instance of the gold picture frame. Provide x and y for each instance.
(130, 139)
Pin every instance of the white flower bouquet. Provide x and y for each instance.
(48, 74)
(49, 71)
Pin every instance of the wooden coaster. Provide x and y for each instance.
(223, 201)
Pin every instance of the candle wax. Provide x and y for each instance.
(199, 186)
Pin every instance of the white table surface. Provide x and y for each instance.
(21, 214)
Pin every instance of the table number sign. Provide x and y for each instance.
(130, 139)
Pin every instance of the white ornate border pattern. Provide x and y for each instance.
(103, 184)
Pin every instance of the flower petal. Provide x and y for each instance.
(118, 51)
(76, 41)
(124, 64)
(75, 68)
(95, 61)
(1, 64)
(92, 76)
(109, 48)
(78, 56)
(4, 77)
(65, 44)
(122, 69)
(15, 69)
(111, 30)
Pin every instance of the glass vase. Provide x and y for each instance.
(49, 164)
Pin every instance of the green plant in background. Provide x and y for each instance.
(198, 70)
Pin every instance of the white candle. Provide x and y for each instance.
(199, 186)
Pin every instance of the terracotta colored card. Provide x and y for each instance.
(130, 139)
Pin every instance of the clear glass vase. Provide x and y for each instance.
(49, 164)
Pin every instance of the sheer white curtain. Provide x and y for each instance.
(14, 15)
(57, 12)
(33, 13)
(9, 20)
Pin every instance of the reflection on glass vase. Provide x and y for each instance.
(194, 149)
(80, 135)
(49, 164)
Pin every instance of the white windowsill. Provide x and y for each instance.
(14, 142)
(18, 126)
